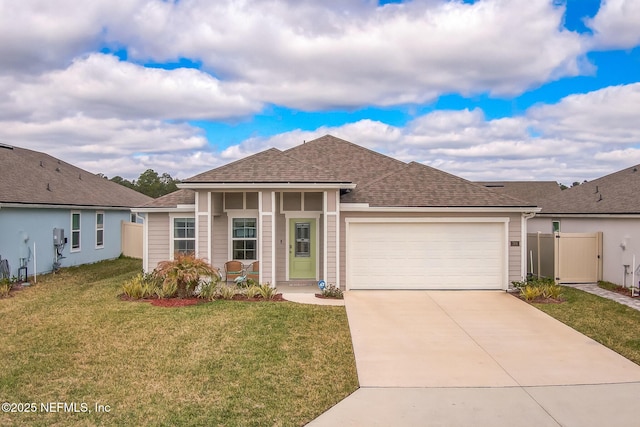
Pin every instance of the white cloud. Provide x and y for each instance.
(310, 56)
(38, 35)
(112, 146)
(102, 86)
(616, 24)
(607, 116)
(581, 137)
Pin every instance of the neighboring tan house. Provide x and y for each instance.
(334, 211)
(610, 205)
(39, 193)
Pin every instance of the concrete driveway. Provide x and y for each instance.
(465, 358)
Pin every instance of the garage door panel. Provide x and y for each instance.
(426, 255)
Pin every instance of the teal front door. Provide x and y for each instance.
(302, 249)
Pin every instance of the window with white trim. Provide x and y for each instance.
(75, 231)
(99, 229)
(184, 235)
(244, 239)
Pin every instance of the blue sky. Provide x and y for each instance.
(485, 89)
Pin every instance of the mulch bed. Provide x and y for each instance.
(326, 297)
(185, 302)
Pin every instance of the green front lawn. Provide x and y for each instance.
(70, 339)
(608, 322)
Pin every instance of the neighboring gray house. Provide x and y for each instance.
(39, 193)
(534, 192)
(610, 205)
(332, 210)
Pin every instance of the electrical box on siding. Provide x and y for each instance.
(58, 236)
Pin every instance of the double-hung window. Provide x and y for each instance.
(184, 235)
(244, 239)
(99, 229)
(75, 231)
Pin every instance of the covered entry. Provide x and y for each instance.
(426, 253)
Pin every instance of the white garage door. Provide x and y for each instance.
(426, 255)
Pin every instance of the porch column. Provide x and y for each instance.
(266, 254)
(203, 221)
(331, 240)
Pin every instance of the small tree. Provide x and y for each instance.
(184, 272)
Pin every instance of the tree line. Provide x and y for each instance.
(149, 183)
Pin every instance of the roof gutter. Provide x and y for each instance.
(179, 208)
(364, 207)
(265, 185)
(588, 215)
(54, 206)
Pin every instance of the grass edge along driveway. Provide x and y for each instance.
(610, 323)
(69, 339)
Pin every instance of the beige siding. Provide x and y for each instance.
(233, 200)
(313, 201)
(203, 202)
(266, 248)
(158, 238)
(267, 237)
(220, 244)
(203, 237)
(514, 253)
(292, 201)
(281, 243)
(251, 200)
(321, 244)
(331, 249)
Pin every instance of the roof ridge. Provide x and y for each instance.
(351, 144)
(235, 162)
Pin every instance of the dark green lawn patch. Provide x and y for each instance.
(70, 339)
(608, 322)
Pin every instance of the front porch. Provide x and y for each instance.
(293, 234)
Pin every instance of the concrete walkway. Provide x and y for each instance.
(465, 358)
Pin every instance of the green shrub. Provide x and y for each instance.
(227, 292)
(332, 291)
(266, 291)
(5, 287)
(140, 286)
(252, 291)
(545, 288)
(185, 271)
(551, 290)
(208, 288)
(530, 292)
(167, 289)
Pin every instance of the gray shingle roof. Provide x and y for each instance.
(531, 191)
(267, 166)
(617, 193)
(346, 160)
(418, 185)
(171, 200)
(381, 180)
(31, 177)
